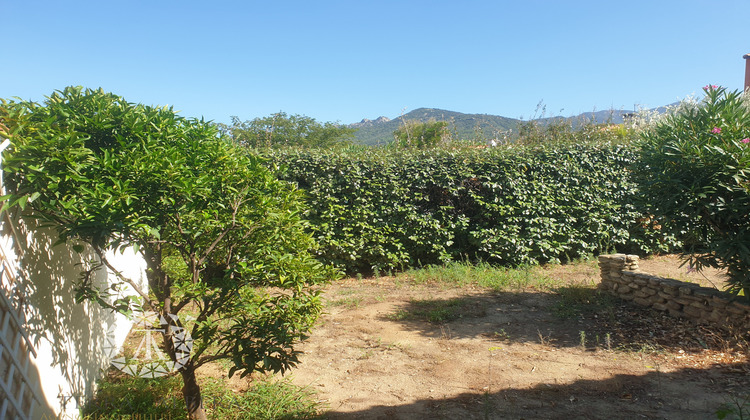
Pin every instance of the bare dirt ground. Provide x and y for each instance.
(518, 354)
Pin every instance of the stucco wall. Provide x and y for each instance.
(68, 337)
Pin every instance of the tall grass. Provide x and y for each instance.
(124, 397)
(481, 274)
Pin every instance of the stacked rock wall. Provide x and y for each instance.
(622, 277)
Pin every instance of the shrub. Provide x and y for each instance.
(694, 174)
(421, 135)
(559, 130)
(283, 130)
(112, 174)
(382, 209)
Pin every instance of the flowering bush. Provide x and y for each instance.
(694, 175)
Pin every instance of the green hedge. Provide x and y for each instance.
(382, 209)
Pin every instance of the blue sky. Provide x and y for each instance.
(348, 60)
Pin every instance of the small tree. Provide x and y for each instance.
(281, 130)
(221, 236)
(694, 174)
(421, 135)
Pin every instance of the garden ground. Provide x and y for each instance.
(391, 347)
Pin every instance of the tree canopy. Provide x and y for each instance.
(421, 135)
(221, 236)
(282, 130)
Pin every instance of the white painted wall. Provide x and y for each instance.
(68, 337)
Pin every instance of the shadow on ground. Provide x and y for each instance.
(571, 317)
(651, 396)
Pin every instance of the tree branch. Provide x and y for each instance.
(146, 300)
(236, 205)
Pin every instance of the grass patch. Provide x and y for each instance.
(267, 399)
(350, 302)
(121, 396)
(642, 347)
(582, 300)
(438, 311)
(124, 397)
(480, 274)
(349, 299)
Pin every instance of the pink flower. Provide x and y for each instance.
(716, 130)
(709, 87)
(746, 141)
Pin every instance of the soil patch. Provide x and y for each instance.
(386, 348)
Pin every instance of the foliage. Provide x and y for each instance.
(462, 273)
(112, 174)
(563, 130)
(281, 130)
(736, 407)
(483, 129)
(126, 397)
(385, 209)
(421, 135)
(467, 127)
(694, 174)
(579, 299)
(267, 399)
(439, 311)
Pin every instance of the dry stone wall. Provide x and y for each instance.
(622, 277)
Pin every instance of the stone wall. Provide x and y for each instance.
(622, 277)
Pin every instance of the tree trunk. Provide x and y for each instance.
(192, 393)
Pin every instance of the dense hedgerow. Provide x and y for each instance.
(378, 209)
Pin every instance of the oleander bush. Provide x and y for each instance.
(384, 209)
(694, 177)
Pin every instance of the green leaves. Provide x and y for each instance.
(389, 209)
(693, 173)
(282, 130)
(421, 135)
(215, 227)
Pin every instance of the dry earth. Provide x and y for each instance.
(513, 356)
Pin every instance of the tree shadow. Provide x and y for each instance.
(573, 316)
(24, 380)
(70, 337)
(655, 395)
(515, 316)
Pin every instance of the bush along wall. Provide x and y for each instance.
(380, 209)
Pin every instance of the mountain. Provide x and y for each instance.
(473, 126)
(610, 116)
(463, 126)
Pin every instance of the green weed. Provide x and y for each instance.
(479, 274)
(582, 335)
(267, 399)
(735, 408)
(125, 397)
(351, 302)
(439, 311)
(580, 300)
(401, 315)
(120, 396)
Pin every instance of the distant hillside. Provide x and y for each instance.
(470, 126)
(463, 126)
(612, 116)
